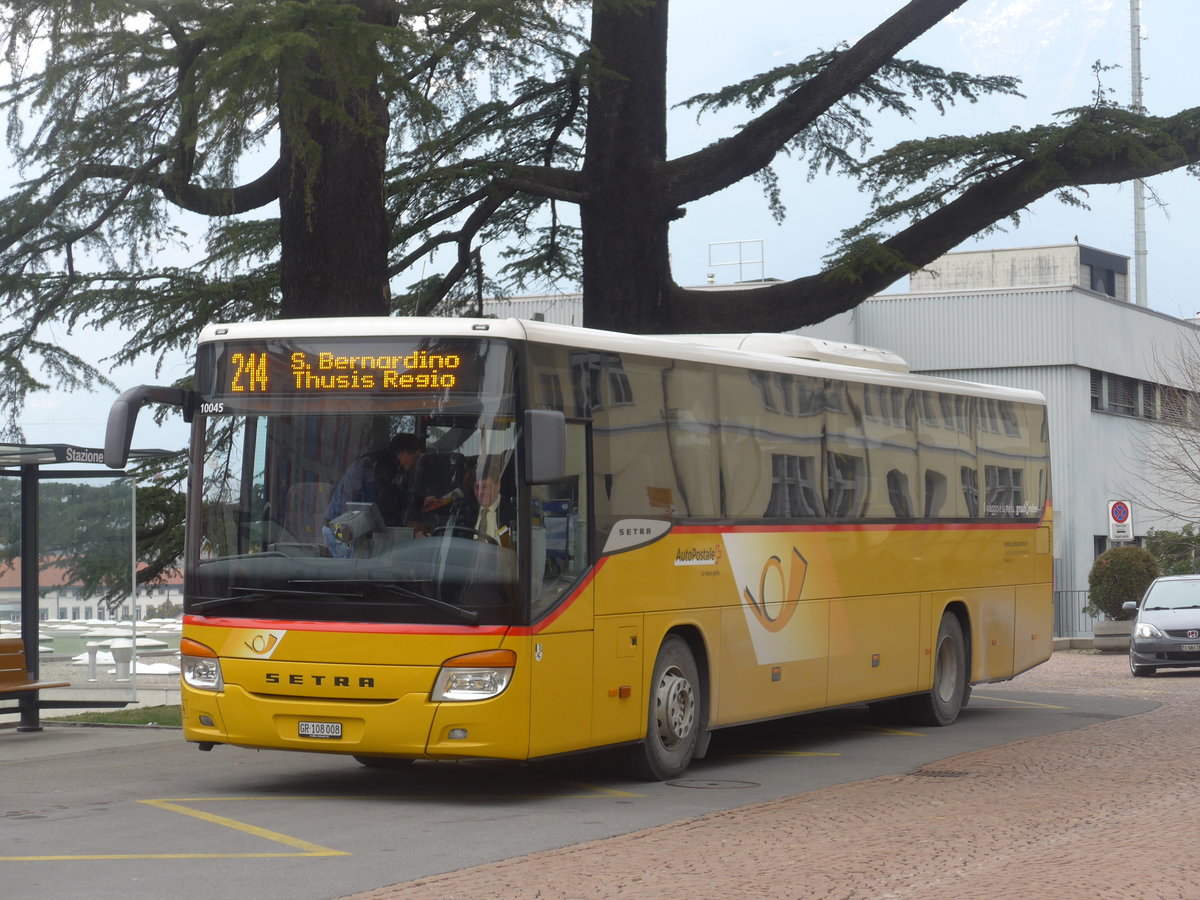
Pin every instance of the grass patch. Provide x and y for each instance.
(167, 716)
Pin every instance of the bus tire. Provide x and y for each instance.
(673, 722)
(384, 762)
(950, 678)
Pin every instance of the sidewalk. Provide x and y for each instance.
(1107, 811)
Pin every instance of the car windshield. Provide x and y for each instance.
(357, 505)
(1183, 594)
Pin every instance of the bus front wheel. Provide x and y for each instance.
(674, 721)
(950, 678)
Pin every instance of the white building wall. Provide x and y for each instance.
(1022, 327)
(559, 309)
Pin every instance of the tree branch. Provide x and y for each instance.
(728, 161)
(1088, 152)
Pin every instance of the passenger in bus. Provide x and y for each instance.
(384, 477)
(493, 511)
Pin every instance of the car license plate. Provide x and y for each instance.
(321, 730)
(1190, 648)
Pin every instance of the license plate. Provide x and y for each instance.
(321, 730)
(1190, 648)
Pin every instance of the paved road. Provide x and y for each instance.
(135, 813)
(1108, 811)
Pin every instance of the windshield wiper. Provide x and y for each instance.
(395, 590)
(249, 595)
(467, 615)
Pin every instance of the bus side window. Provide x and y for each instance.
(561, 545)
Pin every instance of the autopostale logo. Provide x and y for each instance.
(699, 556)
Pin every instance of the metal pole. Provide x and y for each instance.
(30, 718)
(1140, 253)
(133, 585)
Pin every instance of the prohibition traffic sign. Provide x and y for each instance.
(1120, 520)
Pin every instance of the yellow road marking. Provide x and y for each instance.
(307, 848)
(1028, 703)
(302, 848)
(773, 753)
(594, 789)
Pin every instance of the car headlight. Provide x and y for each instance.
(200, 666)
(474, 676)
(1146, 630)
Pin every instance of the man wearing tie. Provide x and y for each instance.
(494, 519)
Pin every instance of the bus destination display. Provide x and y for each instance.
(314, 368)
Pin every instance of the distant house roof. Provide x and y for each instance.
(55, 576)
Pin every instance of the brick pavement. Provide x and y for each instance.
(1029, 819)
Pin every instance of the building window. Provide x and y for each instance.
(1175, 406)
(793, 491)
(935, 493)
(1122, 395)
(970, 488)
(1130, 397)
(1005, 490)
(620, 391)
(897, 483)
(762, 381)
(845, 484)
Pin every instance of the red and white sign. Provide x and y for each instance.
(1120, 521)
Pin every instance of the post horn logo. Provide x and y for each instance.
(791, 584)
(264, 642)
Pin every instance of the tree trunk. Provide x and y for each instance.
(626, 262)
(333, 222)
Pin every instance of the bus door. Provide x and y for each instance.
(560, 651)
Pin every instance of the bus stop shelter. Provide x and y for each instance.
(26, 462)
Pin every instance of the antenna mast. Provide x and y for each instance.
(1139, 187)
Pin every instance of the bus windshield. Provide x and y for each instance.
(360, 480)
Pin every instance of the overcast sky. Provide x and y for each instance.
(1049, 44)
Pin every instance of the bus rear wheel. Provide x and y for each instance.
(950, 678)
(674, 720)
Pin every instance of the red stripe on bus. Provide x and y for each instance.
(344, 627)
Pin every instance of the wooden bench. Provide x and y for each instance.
(14, 676)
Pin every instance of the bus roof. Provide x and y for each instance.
(773, 352)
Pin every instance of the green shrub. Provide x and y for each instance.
(1118, 575)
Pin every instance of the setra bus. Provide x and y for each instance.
(699, 532)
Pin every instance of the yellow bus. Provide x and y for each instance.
(683, 534)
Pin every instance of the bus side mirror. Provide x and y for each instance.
(122, 418)
(545, 446)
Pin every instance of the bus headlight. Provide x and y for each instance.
(199, 666)
(474, 676)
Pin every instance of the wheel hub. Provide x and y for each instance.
(676, 708)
